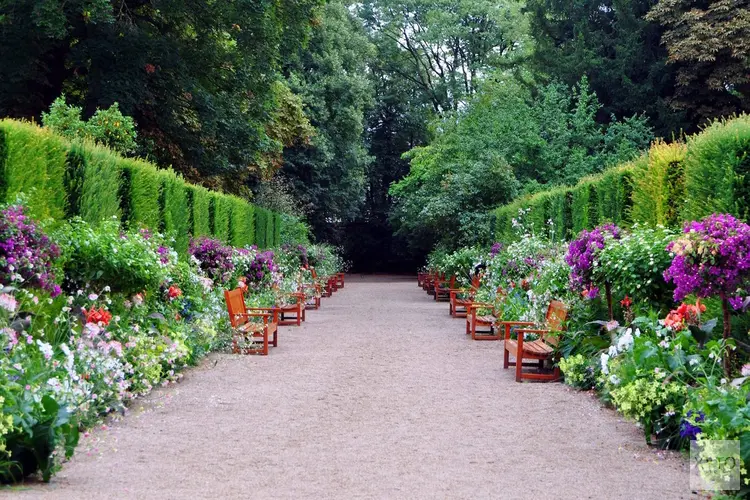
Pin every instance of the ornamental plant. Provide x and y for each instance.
(107, 256)
(712, 258)
(262, 271)
(214, 258)
(583, 259)
(26, 253)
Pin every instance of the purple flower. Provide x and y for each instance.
(215, 258)
(690, 430)
(26, 253)
(712, 258)
(496, 249)
(582, 253)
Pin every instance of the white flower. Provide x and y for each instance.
(93, 297)
(614, 379)
(637, 332)
(712, 355)
(45, 349)
(723, 381)
(107, 288)
(625, 342)
(604, 362)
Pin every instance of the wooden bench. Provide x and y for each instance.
(246, 332)
(443, 288)
(340, 280)
(293, 304)
(538, 350)
(462, 298)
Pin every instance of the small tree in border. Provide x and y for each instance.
(582, 258)
(712, 258)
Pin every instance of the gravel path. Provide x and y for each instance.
(379, 395)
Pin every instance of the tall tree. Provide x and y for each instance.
(330, 75)
(709, 46)
(612, 44)
(445, 47)
(198, 77)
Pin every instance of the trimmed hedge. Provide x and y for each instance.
(670, 184)
(61, 179)
(34, 164)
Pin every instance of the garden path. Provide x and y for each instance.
(378, 395)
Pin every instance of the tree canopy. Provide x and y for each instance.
(389, 125)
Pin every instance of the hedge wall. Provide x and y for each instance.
(60, 179)
(668, 185)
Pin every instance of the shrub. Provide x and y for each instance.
(200, 201)
(214, 258)
(634, 265)
(35, 166)
(175, 210)
(241, 223)
(143, 193)
(128, 262)
(220, 212)
(100, 191)
(659, 185)
(261, 216)
(108, 127)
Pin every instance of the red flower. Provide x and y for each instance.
(99, 316)
(626, 302)
(150, 68)
(174, 292)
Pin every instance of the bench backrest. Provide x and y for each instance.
(557, 314)
(236, 307)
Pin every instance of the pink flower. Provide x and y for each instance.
(8, 302)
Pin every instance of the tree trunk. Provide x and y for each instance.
(727, 333)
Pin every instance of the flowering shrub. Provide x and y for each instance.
(107, 256)
(635, 265)
(579, 371)
(583, 254)
(711, 258)
(26, 253)
(214, 258)
(262, 271)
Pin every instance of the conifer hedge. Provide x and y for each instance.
(670, 184)
(62, 179)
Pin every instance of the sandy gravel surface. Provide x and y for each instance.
(379, 395)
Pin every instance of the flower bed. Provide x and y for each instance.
(93, 317)
(661, 363)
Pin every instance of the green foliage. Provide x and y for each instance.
(717, 170)
(175, 210)
(200, 201)
(659, 185)
(100, 191)
(108, 127)
(198, 78)
(261, 215)
(143, 193)
(327, 173)
(580, 372)
(709, 46)
(293, 231)
(615, 47)
(635, 266)
(508, 135)
(35, 166)
(221, 208)
(242, 223)
(101, 257)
